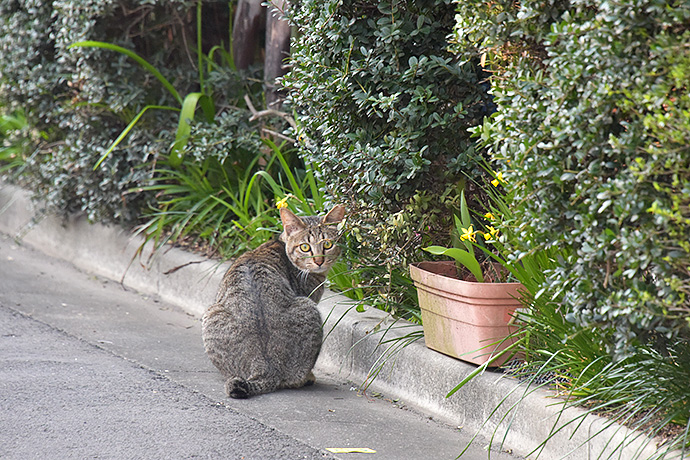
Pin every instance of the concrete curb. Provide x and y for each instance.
(416, 375)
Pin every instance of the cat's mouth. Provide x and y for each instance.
(321, 270)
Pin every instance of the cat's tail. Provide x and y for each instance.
(239, 388)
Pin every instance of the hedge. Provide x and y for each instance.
(383, 110)
(82, 98)
(592, 131)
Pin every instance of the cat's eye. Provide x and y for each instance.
(304, 247)
(328, 244)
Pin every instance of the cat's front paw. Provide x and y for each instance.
(237, 388)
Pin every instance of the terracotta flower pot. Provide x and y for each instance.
(460, 317)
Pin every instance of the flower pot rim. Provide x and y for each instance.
(445, 263)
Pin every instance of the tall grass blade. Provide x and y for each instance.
(131, 54)
(316, 194)
(297, 189)
(199, 52)
(128, 128)
(183, 127)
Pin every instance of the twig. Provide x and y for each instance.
(250, 106)
(277, 134)
(268, 112)
(173, 270)
(277, 113)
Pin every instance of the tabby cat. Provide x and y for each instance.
(264, 331)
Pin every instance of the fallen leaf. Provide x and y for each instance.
(350, 450)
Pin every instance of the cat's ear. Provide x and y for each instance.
(335, 215)
(291, 223)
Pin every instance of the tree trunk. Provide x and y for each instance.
(249, 20)
(277, 50)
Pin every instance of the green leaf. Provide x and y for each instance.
(464, 221)
(127, 129)
(461, 256)
(208, 107)
(183, 128)
(464, 212)
(141, 61)
(464, 381)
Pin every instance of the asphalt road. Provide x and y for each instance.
(91, 370)
(66, 398)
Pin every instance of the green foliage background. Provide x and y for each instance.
(82, 98)
(592, 132)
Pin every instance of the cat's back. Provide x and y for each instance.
(254, 272)
(247, 303)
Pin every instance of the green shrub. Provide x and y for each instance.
(383, 109)
(592, 129)
(591, 132)
(83, 98)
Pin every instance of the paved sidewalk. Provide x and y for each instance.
(88, 369)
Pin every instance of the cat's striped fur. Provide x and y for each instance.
(264, 331)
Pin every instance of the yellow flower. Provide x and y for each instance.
(282, 203)
(498, 180)
(492, 233)
(490, 216)
(468, 234)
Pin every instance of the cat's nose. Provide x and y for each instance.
(319, 260)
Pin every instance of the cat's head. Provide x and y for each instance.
(311, 242)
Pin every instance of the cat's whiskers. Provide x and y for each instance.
(303, 275)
